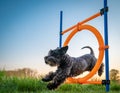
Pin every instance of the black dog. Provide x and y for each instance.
(68, 66)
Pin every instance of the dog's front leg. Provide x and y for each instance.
(58, 79)
(49, 77)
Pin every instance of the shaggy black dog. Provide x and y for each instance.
(68, 66)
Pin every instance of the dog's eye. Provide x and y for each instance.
(51, 52)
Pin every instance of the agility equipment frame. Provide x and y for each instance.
(103, 46)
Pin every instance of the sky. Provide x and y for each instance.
(30, 28)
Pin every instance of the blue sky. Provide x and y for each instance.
(29, 28)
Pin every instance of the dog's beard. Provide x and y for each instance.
(52, 61)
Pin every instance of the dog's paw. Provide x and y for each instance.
(45, 79)
(51, 86)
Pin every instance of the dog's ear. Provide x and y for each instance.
(63, 50)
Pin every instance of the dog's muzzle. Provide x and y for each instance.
(50, 60)
(45, 58)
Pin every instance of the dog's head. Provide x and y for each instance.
(55, 56)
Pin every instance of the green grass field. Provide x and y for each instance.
(33, 85)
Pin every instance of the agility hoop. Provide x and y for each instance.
(102, 47)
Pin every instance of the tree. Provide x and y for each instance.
(114, 74)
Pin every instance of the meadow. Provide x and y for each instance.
(13, 84)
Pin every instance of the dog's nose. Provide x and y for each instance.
(46, 62)
(45, 57)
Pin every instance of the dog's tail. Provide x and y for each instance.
(91, 50)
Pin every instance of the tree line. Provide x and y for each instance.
(27, 72)
(24, 72)
(114, 75)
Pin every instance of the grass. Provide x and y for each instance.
(33, 85)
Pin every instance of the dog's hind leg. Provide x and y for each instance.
(101, 69)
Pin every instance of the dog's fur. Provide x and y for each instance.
(68, 66)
